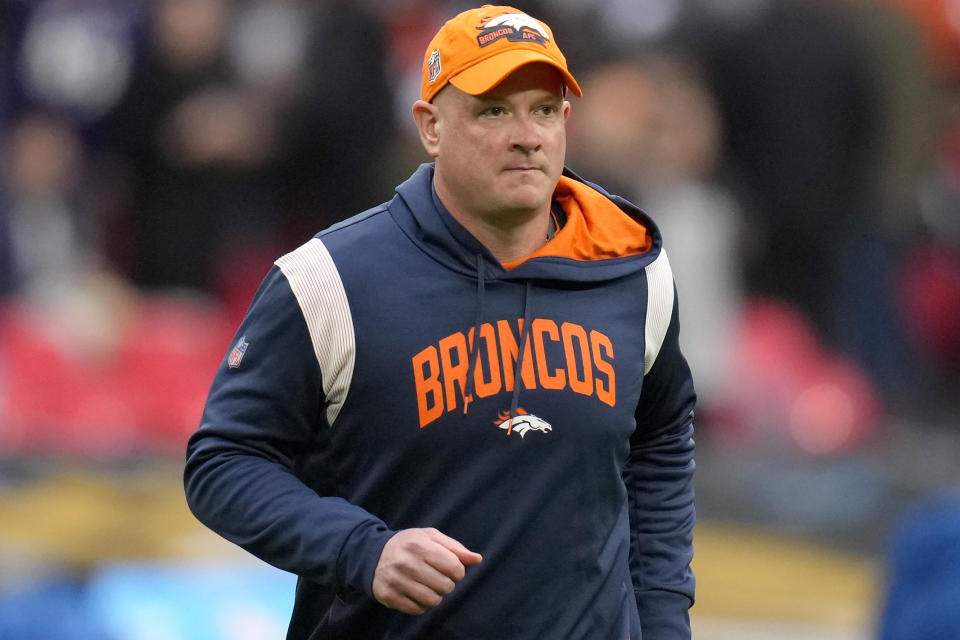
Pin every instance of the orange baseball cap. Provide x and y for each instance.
(477, 49)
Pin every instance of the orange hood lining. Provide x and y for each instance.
(596, 228)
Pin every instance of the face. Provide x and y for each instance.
(499, 154)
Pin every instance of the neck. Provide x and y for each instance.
(508, 235)
(508, 242)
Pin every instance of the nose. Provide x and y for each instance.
(525, 136)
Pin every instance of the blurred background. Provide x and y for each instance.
(801, 156)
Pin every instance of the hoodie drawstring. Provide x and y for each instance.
(473, 357)
(518, 365)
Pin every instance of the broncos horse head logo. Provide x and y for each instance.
(515, 27)
(522, 423)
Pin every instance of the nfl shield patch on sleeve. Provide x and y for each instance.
(236, 355)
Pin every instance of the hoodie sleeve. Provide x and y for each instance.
(659, 480)
(261, 436)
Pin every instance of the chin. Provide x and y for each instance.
(526, 197)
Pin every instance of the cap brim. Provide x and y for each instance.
(490, 72)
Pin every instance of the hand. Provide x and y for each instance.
(417, 568)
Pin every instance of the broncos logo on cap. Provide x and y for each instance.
(522, 423)
(516, 27)
(518, 21)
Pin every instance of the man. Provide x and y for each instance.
(464, 413)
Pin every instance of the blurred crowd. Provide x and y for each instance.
(801, 156)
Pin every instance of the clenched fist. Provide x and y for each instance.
(418, 567)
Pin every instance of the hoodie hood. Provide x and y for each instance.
(604, 237)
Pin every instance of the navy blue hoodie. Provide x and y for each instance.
(391, 373)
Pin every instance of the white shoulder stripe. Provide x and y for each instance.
(319, 290)
(659, 307)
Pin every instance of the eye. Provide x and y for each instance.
(548, 110)
(493, 112)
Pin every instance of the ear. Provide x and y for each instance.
(566, 109)
(427, 117)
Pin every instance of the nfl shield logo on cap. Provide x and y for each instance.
(233, 361)
(434, 65)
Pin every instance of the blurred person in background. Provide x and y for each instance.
(650, 127)
(56, 265)
(824, 105)
(197, 143)
(376, 447)
(233, 145)
(62, 65)
(43, 165)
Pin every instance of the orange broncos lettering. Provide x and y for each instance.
(440, 371)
